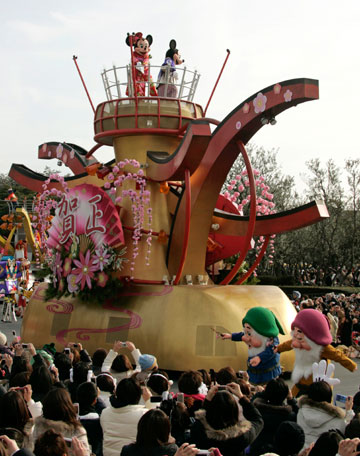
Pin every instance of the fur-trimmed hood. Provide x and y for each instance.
(67, 430)
(231, 432)
(317, 413)
(265, 407)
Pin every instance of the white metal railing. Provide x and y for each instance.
(27, 204)
(118, 82)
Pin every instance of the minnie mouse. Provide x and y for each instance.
(141, 61)
(168, 72)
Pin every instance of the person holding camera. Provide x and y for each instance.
(228, 421)
(317, 414)
(119, 421)
(119, 365)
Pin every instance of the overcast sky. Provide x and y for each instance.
(42, 99)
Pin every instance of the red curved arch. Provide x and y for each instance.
(252, 218)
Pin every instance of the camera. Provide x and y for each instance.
(340, 398)
(67, 350)
(25, 345)
(123, 344)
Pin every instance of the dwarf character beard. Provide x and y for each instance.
(253, 351)
(304, 360)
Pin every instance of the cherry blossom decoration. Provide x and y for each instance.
(260, 103)
(288, 96)
(238, 193)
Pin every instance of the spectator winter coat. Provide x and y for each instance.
(119, 427)
(66, 429)
(233, 440)
(273, 416)
(318, 417)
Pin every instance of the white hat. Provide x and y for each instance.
(3, 338)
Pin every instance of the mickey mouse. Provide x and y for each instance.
(168, 72)
(141, 60)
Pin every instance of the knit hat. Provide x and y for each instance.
(50, 348)
(289, 438)
(3, 338)
(296, 294)
(263, 321)
(45, 355)
(147, 362)
(314, 325)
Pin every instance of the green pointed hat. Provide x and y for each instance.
(263, 321)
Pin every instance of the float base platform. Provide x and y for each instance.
(173, 323)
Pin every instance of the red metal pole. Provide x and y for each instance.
(222, 69)
(131, 37)
(256, 263)
(252, 217)
(82, 80)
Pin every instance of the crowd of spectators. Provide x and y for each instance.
(308, 274)
(342, 312)
(120, 402)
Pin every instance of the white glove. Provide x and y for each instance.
(324, 371)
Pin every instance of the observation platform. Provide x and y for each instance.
(123, 115)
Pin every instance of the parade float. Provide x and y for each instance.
(132, 242)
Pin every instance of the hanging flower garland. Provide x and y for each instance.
(237, 192)
(41, 220)
(140, 201)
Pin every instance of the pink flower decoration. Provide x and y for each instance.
(260, 103)
(71, 280)
(288, 96)
(277, 89)
(102, 279)
(246, 108)
(59, 151)
(241, 188)
(101, 258)
(85, 269)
